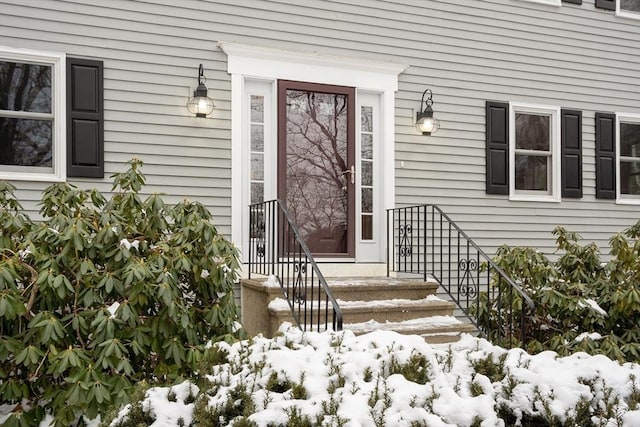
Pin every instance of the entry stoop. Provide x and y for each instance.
(402, 305)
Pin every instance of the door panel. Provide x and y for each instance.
(316, 164)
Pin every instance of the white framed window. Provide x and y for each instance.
(32, 115)
(534, 152)
(628, 8)
(628, 158)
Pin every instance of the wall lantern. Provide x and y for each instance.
(425, 122)
(200, 104)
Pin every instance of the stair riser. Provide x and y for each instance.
(396, 315)
(432, 338)
(379, 315)
(382, 293)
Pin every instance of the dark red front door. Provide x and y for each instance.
(316, 160)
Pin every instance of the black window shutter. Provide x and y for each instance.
(605, 156)
(571, 143)
(572, 1)
(85, 118)
(497, 142)
(606, 4)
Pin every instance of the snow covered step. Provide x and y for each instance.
(434, 329)
(395, 310)
(380, 288)
(399, 304)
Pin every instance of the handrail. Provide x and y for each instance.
(276, 248)
(424, 240)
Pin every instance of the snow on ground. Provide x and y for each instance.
(351, 378)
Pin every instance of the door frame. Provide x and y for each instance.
(270, 64)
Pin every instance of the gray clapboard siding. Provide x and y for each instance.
(467, 52)
(148, 76)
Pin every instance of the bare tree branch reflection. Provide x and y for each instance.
(316, 159)
(25, 141)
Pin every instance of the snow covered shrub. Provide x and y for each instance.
(483, 385)
(102, 294)
(582, 304)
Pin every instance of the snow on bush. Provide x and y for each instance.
(386, 379)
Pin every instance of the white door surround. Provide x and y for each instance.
(255, 70)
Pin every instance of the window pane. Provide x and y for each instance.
(257, 167)
(25, 142)
(257, 138)
(367, 200)
(367, 227)
(532, 173)
(317, 142)
(367, 173)
(630, 178)
(532, 131)
(257, 109)
(25, 87)
(367, 146)
(632, 5)
(257, 192)
(366, 120)
(630, 139)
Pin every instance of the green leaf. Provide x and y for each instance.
(11, 305)
(30, 356)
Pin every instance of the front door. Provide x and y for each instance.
(316, 164)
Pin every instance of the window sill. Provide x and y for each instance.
(556, 3)
(627, 201)
(628, 15)
(26, 176)
(534, 198)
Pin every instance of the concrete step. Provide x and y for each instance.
(358, 288)
(408, 306)
(380, 288)
(434, 329)
(395, 310)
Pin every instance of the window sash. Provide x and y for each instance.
(551, 190)
(628, 10)
(630, 177)
(57, 117)
(627, 186)
(631, 6)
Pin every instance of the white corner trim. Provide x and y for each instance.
(237, 90)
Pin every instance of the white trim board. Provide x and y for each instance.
(251, 62)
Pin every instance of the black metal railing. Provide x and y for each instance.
(423, 240)
(277, 249)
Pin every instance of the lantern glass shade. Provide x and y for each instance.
(426, 123)
(201, 106)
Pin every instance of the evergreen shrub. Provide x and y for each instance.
(102, 294)
(581, 302)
